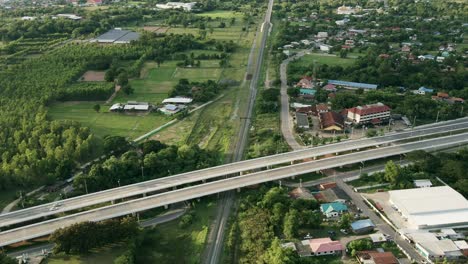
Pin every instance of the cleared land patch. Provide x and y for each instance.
(93, 76)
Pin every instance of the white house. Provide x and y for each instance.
(325, 47)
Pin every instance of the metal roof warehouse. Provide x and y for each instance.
(117, 36)
(353, 85)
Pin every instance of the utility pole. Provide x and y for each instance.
(437, 117)
(414, 122)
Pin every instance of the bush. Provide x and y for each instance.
(186, 220)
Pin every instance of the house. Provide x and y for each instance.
(405, 48)
(438, 249)
(306, 82)
(347, 10)
(375, 257)
(327, 185)
(177, 5)
(325, 246)
(290, 245)
(331, 121)
(448, 99)
(170, 109)
(307, 93)
(373, 113)
(302, 120)
(426, 57)
(321, 108)
(301, 193)
(330, 88)
(69, 16)
(349, 42)
(440, 59)
(333, 209)
(423, 90)
(463, 246)
(325, 47)
(28, 18)
(321, 35)
(377, 238)
(342, 22)
(353, 85)
(422, 183)
(305, 110)
(362, 226)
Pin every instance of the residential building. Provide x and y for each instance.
(307, 93)
(69, 16)
(321, 108)
(444, 97)
(333, 209)
(325, 47)
(375, 257)
(374, 113)
(330, 88)
(327, 185)
(423, 90)
(325, 246)
(321, 35)
(177, 5)
(431, 208)
(302, 121)
(362, 226)
(331, 121)
(463, 246)
(347, 10)
(306, 82)
(130, 106)
(378, 238)
(425, 183)
(353, 85)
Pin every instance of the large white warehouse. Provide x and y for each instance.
(431, 208)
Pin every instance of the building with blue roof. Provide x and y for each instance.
(353, 85)
(362, 226)
(424, 90)
(333, 209)
(310, 92)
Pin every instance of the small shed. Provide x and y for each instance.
(424, 183)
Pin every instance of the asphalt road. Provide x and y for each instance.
(287, 125)
(218, 171)
(133, 206)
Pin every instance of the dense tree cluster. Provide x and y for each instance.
(34, 149)
(199, 91)
(82, 237)
(266, 215)
(150, 160)
(450, 167)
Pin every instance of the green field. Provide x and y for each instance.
(220, 14)
(169, 243)
(106, 123)
(329, 59)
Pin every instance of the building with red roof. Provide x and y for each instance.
(330, 88)
(325, 246)
(373, 113)
(331, 121)
(374, 257)
(306, 82)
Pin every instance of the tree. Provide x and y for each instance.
(392, 172)
(293, 92)
(122, 78)
(127, 89)
(343, 53)
(5, 259)
(345, 221)
(278, 255)
(291, 224)
(359, 245)
(97, 108)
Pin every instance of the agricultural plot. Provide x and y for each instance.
(93, 76)
(329, 59)
(321, 59)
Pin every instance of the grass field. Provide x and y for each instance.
(105, 255)
(220, 14)
(106, 123)
(329, 59)
(169, 243)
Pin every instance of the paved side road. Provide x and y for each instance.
(381, 225)
(287, 124)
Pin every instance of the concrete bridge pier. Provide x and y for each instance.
(238, 190)
(166, 206)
